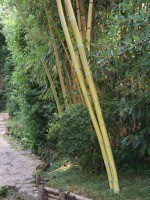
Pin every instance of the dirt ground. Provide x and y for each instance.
(15, 166)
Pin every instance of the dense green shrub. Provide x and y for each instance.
(73, 135)
(3, 57)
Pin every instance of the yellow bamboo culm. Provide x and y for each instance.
(84, 89)
(79, 17)
(82, 15)
(62, 84)
(94, 94)
(89, 23)
(41, 59)
(78, 57)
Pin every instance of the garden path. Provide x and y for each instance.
(15, 165)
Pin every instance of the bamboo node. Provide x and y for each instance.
(85, 95)
(80, 45)
(116, 191)
(96, 99)
(115, 181)
(70, 46)
(88, 74)
(107, 163)
(77, 70)
(108, 146)
(62, 17)
(72, 18)
(112, 165)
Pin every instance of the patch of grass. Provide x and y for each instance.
(3, 192)
(134, 185)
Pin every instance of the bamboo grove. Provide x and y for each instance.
(81, 32)
(90, 53)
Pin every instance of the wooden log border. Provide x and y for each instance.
(46, 193)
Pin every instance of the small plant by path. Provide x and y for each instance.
(3, 192)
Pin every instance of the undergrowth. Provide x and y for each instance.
(134, 184)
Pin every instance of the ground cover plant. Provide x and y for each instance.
(134, 183)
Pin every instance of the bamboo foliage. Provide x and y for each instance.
(41, 59)
(50, 20)
(84, 90)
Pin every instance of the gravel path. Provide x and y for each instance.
(15, 166)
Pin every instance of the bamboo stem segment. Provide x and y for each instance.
(94, 94)
(82, 15)
(84, 89)
(41, 59)
(79, 17)
(89, 23)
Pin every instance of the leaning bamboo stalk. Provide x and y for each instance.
(89, 23)
(79, 62)
(80, 29)
(94, 94)
(62, 84)
(71, 66)
(83, 20)
(41, 59)
(79, 17)
(74, 77)
(84, 89)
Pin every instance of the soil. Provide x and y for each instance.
(15, 165)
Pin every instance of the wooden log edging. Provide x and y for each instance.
(55, 194)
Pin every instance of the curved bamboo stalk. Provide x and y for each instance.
(62, 84)
(84, 89)
(41, 59)
(89, 23)
(94, 94)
